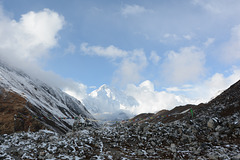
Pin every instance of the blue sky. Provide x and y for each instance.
(179, 47)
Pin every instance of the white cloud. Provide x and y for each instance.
(132, 10)
(92, 87)
(209, 42)
(208, 5)
(79, 90)
(71, 49)
(130, 68)
(231, 50)
(175, 37)
(209, 88)
(226, 7)
(31, 37)
(171, 36)
(185, 66)
(183, 88)
(173, 89)
(152, 101)
(187, 37)
(154, 57)
(110, 51)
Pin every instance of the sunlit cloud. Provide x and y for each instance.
(209, 42)
(109, 52)
(31, 37)
(70, 49)
(133, 10)
(231, 49)
(130, 66)
(184, 66)
(154, 57)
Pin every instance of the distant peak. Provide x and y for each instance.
(103, 86)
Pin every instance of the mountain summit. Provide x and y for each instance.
(29, 104)
(109, 103)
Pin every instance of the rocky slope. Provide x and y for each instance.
(141, 141)
(29, 99)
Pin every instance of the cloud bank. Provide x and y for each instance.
(130, 68)
(214, 85)
(132, 10)
(109, 52)
(231, 49)
(31, 37)
(154, 57)
(151, 100)
(229, 7)
(184, 66)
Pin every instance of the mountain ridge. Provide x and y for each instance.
(49, 103)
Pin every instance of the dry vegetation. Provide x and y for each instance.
(13, 104)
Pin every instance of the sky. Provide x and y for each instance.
(162, 52)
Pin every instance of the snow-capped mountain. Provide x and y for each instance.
(49, 105)
(108, 103)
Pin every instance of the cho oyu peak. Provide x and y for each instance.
(109, 103)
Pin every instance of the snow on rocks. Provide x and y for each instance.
(179, 140)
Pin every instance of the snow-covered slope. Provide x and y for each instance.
(53, 107)
(108, 103)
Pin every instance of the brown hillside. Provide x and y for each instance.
(14, 116)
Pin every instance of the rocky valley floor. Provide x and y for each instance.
(199, 138)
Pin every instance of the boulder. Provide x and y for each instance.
(212, 156)
(236, 157)
(140, 152)
(173, 148)
(211, 124)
